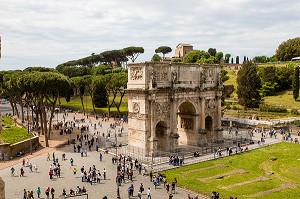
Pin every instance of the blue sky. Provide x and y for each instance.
(48, 33)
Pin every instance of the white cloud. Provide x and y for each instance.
(48, 33)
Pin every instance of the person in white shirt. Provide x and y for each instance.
(148, 193)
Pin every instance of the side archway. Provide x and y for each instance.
(208, 123)
(186, 123)
(161, 136)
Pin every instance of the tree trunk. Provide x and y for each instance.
(45, 126)
(22, 108)
(53, 103)
(16, 108)
(12, 106)
(93, 104)
(82, 104)
(122, 93)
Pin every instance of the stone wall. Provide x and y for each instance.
(24, 146)
(2, 189)
(8, 151)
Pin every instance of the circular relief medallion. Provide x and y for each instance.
(136, 108)
(211, 103)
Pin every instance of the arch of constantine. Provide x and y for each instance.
(173, 104)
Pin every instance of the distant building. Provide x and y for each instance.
(183, 49)
(296, 59)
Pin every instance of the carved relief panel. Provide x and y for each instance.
(187, 123)
(162, 111)
(136, 73)
(160, 75)
(208, 75)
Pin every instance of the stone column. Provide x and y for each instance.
(219, 112)
(152, 140)
(202, 113)
(0, 122)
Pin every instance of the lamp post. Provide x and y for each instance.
(28, 128)
(56, 112)
(109, 131)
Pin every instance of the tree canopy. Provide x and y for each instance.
(288, 49)
(195, 55)
(212, 51)
(156, 58)
(133, 52)
(164, 50)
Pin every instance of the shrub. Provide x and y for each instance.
(268, 108)
(294, 111)
(235, 107)
(228, 106)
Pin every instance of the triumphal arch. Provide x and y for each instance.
(173, 104)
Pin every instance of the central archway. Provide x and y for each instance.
(161, 136)
(186, 123)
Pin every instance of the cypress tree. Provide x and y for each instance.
(296, 83)
(237, 60)
(248, 85)
(99, 96)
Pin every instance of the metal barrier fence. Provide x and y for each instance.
(183, 151)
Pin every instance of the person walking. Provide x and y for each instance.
(74, 171)
(64, 193)
(71, 161)
(47, 192)
(141, 188)
(31, 195)
(52, 192)
(104, 174)
(148, 193)
(151, 176)
(38, 192)
(24, 194)
(12, 171)
(35, 167)
(22, 172)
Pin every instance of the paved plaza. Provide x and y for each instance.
(14, 185)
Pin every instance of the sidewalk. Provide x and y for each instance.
(194, 160)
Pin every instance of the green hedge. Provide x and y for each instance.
(269, 108)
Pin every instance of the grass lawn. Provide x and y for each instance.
(75, 104)
(284, 98)
(232, 81)
(255, 166)
(13, 134)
